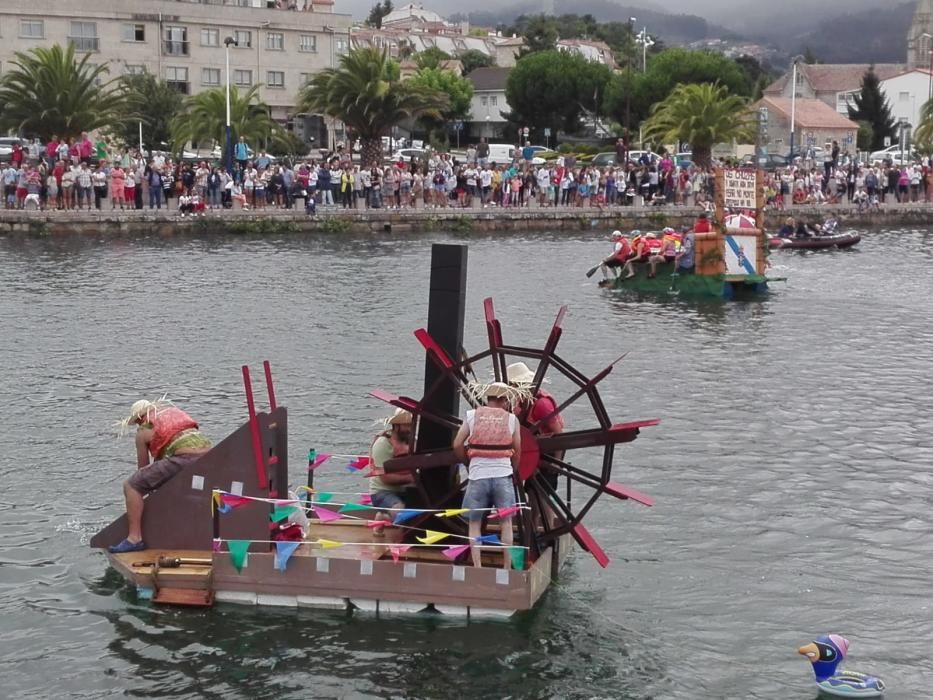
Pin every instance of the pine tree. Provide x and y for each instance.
(872, 108)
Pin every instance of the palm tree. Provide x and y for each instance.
(203, 118)
(48, 91)
(154, 102)
(923, 135)
(702, 115)
(365, 93)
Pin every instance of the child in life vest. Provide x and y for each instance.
(489, 439)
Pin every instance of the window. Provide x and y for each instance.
(275, 78)
(903, 96)
(134, 32)
(243, 78)
(308, 43)
(84, 36)
(177, 78)
(32, 29)
(176, 41)
(305, 78)
(134, 69)
(483, 100)
(275, 41)
(210, 76)
(210, 37)
(493, 101)
(244, 39)
(341, 45)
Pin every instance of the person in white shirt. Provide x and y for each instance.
(485, 183)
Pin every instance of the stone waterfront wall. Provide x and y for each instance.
(167, 223)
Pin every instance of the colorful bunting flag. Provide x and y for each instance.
(453, 552)
(404, 515)
(216, 544)
(325, 515)
(398, 549)
(318, 461)
(329, 544)
(283, 552)
(489, 539)
(351, 507)
(239, 553)
(360, 462)
(366, 499)
(451, 512)
(282, 513)
(232, 500)
(518, 557)
(377, 523)
(503, 512)
(432, 536)
(323, 497)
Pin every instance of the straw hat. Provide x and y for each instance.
(400, 417)
(519, 374)
(142, 410)
(498, 390)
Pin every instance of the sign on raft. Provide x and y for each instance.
(740, 189)
(741, 254)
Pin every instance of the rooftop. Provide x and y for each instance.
(810, 114)
(835, 77)
(489, 78)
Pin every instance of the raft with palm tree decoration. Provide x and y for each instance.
(215, 530)
(730, 254)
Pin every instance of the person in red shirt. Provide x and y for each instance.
(702, 224)
(16, 157)
(542, 408)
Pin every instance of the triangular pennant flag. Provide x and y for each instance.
(489, 539)
(453, 552)
(323, 497)
(318, 461)
(451, 512)
(286, 501)
(398, 549)
(330, 544)
(503, 512)
(282, 513)
(216, 544)
(239, 553)
(377, 523)
(325, 515)
(366, 499)
(432, 536)
(518, 557)
(404, 515)
(350, 507)
(360, 462)
(233, 501)
(283, 552)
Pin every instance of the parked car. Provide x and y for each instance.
(604, 159)
(406, 154)
(772, 161)
(500, 153)
(893, 154)
(636, 156)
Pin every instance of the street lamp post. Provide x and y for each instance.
(628, 91)
(793, 108)
(228, 134)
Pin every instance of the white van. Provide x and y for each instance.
(501, 153)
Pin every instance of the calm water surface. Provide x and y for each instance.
(791, 470)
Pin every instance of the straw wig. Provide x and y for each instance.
(142, 410)
(481, 391)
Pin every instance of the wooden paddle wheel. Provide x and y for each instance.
(552, 511)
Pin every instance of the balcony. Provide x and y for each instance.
(85, 44)
(175, 48)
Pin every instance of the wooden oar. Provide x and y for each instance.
(592, 271)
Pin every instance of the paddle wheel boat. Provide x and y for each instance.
(211, 529)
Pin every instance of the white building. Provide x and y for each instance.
(907, 93)
(183, 42)
(488, 104)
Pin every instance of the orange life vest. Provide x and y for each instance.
(490, 436)
(167, 424)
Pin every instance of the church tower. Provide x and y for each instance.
(920, 36)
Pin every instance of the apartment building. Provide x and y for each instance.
(279, 45)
